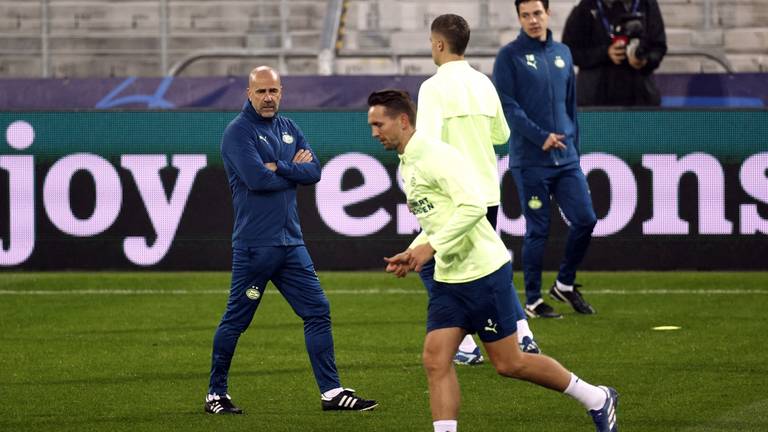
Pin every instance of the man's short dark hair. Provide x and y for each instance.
(455, 30)
(544, 3)
(395, 102)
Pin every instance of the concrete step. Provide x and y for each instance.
(682, 15)
(105, 43)
(103, 16)
(730, 14)
(10, 43)
(19, 16)
(746, 40)
(104, 66)
(20, 66)
(756, 62)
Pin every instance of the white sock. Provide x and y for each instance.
(445, 425)
(523, 330)
(563, 287)
(590, 396)
(332, 393)
(467, 344)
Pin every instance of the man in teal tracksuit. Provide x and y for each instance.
(472, 292)
(266, 157)
(536, 83)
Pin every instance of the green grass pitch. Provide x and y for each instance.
(131, 352)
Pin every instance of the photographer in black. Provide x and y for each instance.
(617, 44)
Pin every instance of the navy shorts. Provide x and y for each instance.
(484, 306)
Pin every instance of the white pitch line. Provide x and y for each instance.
(109, 292)
(680, 291)
(371, 291)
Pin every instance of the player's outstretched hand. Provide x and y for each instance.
(399, 264)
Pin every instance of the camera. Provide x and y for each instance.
(631, 29)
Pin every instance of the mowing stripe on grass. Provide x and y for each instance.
(370, 291)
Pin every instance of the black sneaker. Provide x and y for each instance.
(348, 401)
(541, 310)
(573, 298)
(215, 404)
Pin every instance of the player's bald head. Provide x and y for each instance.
(263, 73)
(264, 90)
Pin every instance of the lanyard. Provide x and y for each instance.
(604, 19)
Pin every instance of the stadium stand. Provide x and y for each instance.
(733, 29)
(119, 38)
(103, 38)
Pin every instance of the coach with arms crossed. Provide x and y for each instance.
(266, 157)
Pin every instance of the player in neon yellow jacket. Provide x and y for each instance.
(472, 291)
(460, 106)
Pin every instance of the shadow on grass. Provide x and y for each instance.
(272, 325)
(57, 421)
(164, 378)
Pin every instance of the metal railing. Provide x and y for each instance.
(395, 57)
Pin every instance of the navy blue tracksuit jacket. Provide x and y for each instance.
(264, 201)
(537, 88)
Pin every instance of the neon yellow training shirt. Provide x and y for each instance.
(444, 195)
(460, 106)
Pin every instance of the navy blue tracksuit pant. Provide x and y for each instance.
(291, 270)
(536, 186)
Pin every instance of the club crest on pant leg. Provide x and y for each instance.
(253, 293)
